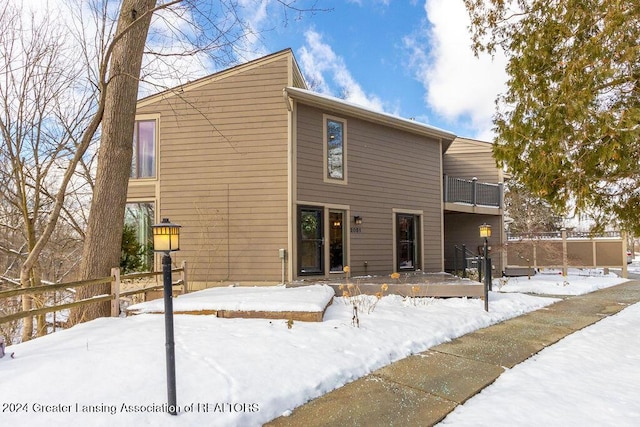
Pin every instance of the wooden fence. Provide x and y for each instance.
(564, 249)
(114, 296)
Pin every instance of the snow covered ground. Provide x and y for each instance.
(590, 378)
(312, 298)
(552, 282)
(233, 372)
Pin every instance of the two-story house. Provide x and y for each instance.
(271, 181)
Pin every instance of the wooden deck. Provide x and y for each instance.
(421, 285)
(284, 302)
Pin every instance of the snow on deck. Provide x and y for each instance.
(263, 299)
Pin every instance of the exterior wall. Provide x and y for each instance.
(467, 158)
(389, 171)
(222, 171)
(462, 229)
(142, 190)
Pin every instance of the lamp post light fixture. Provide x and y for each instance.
(166, 239)
(485, 232)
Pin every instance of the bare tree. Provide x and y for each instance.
(104, 229)
(213, 28)
(54, 100)
(38, 138)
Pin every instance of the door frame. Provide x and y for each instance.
(344, 226)
(319, 237)
(326, 208)
(419, 238)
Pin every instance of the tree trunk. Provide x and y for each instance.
(103, 236)
(27, 304)
(29, 276)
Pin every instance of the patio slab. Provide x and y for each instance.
(501, 350)
(386, 404)
(444, 375)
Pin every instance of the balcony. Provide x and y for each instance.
(471, 196)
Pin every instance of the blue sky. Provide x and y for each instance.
(410, 58)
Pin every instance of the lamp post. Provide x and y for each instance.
(485, 232)
(166, 239)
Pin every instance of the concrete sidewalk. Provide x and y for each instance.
(422, 389)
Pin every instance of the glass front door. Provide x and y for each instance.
(336, 241)
(407, 242)
(310, 241)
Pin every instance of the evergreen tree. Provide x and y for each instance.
(134, 255)
(568, 126)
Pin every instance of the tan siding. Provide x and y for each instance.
(387, 169)
(223, 173)
(142, 190)
(468, 158)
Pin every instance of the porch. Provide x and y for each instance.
(471, 196)
(415, 284)
(308, 299)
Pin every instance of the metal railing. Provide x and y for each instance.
(470, 191)
(463, 260)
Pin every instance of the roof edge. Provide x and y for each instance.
(176, 90)
(336, 104)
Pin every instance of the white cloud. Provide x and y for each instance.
(256, 16)
(459, 86)
(170, 35)
(327, 73)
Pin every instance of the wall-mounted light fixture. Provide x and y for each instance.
(357, 220)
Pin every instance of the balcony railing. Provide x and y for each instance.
(472, 192)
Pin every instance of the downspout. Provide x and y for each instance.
(290, 185)
(442, 204)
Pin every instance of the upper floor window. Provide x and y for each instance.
(143, 164)
(335, 150)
